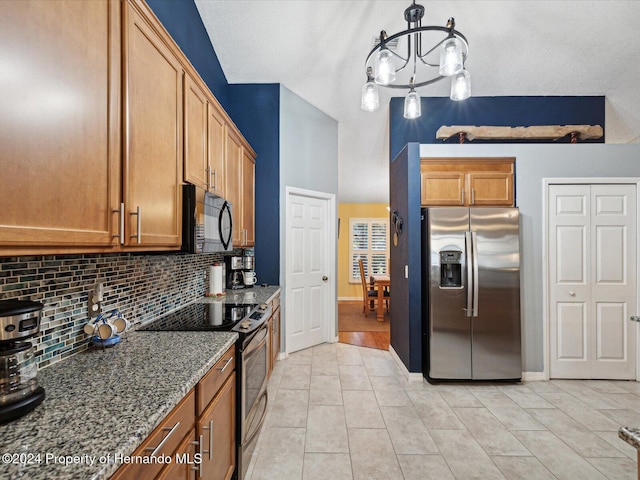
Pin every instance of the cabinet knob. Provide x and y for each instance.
(572, 293)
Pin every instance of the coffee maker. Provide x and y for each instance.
(248, 274)
(234, 266)
(19, 390)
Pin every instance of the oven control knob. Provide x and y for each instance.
(10, 328)
(245, 325)
(263, 306)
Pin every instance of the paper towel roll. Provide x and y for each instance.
(216, 284)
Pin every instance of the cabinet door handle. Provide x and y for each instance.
(201, 462)
(215, 179)
(138, 224)
(462, 196)
(164, 440)
(120, 212)
(473, 196)
(199, 467)
(210, 428)
(222, 368)
(208, 174)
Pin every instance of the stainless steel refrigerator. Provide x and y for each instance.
(471, 293)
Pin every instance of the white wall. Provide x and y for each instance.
(533, 164)
(308, 159)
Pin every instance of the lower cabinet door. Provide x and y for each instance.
(216, 427)
(185, 463)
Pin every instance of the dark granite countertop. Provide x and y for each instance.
(100, 403)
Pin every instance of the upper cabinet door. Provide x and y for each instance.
(490, 189)
(248, 198)
(59, 123)
(233, 183)
(153, 134)
(216, 148)
(442, 188)
(196, 163)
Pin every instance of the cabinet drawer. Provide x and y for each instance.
(172, 430)
(213, 380)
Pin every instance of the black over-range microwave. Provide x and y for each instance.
(206, 221)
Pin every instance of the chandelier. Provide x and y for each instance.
(432, 54)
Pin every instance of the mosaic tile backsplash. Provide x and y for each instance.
(141, 286)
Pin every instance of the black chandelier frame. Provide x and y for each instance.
(413, 14)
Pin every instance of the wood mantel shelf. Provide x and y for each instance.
(536, 132)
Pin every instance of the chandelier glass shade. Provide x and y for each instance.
(414, 58)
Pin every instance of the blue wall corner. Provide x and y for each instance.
(255, 109)
(501, 111)
(406, 313)
(182, 20)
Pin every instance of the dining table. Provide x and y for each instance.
(381, 281)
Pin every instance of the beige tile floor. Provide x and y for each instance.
(339, 411)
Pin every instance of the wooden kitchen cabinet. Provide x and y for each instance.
(185, 464)
(60, 117)
(204, 422)
(274, 333)
(233, 182)
(216, 430)
(467, 182)
(217, 132)
(240, 187)
(177, 427)
(152, 120)
(196, 161)
(204, 138)
(248, 197)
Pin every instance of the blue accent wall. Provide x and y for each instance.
(183, 22)
(499, 111)
(255, 109)
(406, 311)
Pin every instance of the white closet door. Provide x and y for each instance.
(613, 281)
(592, 259)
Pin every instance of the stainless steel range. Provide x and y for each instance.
(250, 322)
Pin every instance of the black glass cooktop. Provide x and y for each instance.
(200, 317)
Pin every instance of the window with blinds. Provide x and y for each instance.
(369, 241)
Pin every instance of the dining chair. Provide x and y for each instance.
(369, 292)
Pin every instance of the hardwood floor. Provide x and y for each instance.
(360, 330)
(379, 340)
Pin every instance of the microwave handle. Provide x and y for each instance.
(225, 241)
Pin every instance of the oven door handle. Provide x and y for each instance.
(257, 341)
(251, 436)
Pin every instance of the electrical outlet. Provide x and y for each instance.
(95, 300)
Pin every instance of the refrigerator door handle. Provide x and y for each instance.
(468, 311)
(474, 237)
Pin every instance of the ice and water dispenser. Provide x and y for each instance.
(450, 269)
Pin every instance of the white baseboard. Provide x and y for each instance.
(410, 376)
(533, 376)
(350, 299)
(282, 355)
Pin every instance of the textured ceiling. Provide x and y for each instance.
(317, 50)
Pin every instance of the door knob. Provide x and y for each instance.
(325, 278)
(572, 293)
(634, 318)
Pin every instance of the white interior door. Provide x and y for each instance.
(592, 281)
(307, 288)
